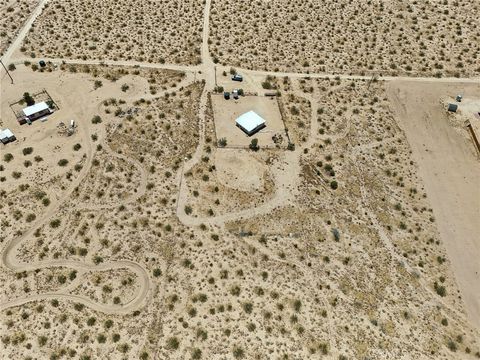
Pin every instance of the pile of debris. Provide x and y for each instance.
(64, 130)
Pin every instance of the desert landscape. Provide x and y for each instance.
(140, 221)
(14, 14)
(376, 37)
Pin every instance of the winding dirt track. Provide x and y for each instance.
(9, 253)
(285, 175)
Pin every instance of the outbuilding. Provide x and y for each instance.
(35, 112)
(7, 136)
(250, 122)
(452, 107)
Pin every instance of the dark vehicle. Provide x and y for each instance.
(226, 95)
(42, 63)
(237, 77)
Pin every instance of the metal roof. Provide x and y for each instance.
(7, 133)
(250, 121)
(30, 110)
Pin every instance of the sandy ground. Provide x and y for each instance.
(157, 247)
(450, 169)
(227, 111)
(239, 170)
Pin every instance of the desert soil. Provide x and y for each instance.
(376, 37)
(448, 164)
(139, 236)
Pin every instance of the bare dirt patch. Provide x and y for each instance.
(239, 170)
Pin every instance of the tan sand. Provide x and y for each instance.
(451, 171)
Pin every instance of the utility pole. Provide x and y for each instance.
(8, 73)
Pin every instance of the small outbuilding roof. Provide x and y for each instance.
(452, 107)
(30, 110)
(6, 135)
(250, 121)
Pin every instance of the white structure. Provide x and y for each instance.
(250, 122)
(36, 111)
(6, 136)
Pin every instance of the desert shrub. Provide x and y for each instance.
(238, 352)
(108, 324)
(28, 99)
(157, 272)
(55, 223)
(42, 340)
(222, 142)
(173, 343)
(440, 289)
(196, 354)
(297, 305)
(7, 157)
(254, 145)
(452, 346)
(124, 348)
(62, 162)
(96, 119)
(267, 85)
(27, 150)
(248, 307)
(101, 338)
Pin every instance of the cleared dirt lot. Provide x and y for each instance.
(451, 171)
(239, 170)
(226, 111)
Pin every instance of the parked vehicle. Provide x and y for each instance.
(237, 77)
(235, 94)
(226, 95)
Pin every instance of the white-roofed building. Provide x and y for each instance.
(6, 136)
(250, 122)
(35, 111)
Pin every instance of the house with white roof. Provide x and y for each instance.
(35, 112)
(250, 122)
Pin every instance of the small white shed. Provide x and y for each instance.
(7, 136)
(250, 122)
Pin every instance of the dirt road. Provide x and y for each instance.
(451, 174)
